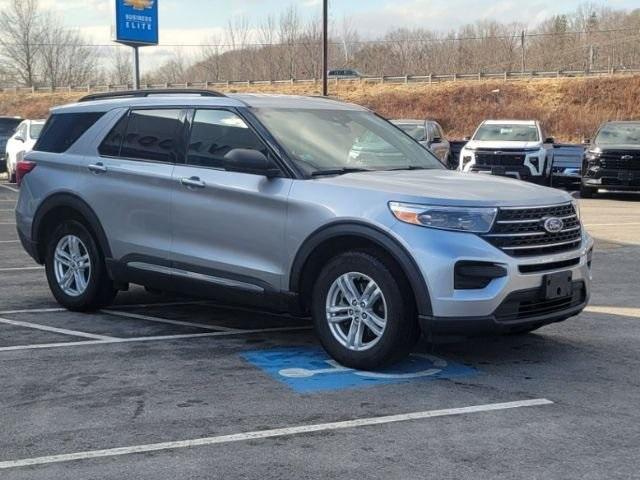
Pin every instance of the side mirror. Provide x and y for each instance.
(19, 138)
(436, 140)
(467, 139)
(243, 160)
(586, 141)
(550, 140)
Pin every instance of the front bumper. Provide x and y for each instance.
(629, 182)
(472, 311)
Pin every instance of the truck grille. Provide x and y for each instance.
(520, 232)
(619, 160)
(492, 159)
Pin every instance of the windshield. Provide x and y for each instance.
(319, 140)
(613, 134)
(8, 126)
(507, 133)
(419, 132)
(36, 128)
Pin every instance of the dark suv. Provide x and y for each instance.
(612, 160)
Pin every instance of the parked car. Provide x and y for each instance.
(8, 127)
(253, 199)
(344, 73)
(566, 170)
(20, 143)
(430, 134)
(511, 148)
(612, 160)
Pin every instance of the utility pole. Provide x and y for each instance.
(325, 47)
(136, 67)
(524, 52)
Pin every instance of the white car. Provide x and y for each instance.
(22, 142)
(511, 148)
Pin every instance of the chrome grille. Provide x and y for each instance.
(520, 232)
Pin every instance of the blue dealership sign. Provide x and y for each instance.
(136, 22)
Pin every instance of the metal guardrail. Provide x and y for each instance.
(406, 79)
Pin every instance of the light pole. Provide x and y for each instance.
(325, 47)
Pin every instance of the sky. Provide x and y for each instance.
(197, 21)
(193, 21)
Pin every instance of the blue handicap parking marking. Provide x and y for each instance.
(308, 370)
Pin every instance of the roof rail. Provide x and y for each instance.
(148, 92)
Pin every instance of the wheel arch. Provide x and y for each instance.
(61, 206)
(338, 237)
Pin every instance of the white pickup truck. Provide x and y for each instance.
(512, 148)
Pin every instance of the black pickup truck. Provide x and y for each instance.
(612, 160)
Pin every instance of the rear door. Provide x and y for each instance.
(129, 185)
(228, 227)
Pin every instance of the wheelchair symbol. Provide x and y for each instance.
(438, 365)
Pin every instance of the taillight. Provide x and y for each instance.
(22, 168)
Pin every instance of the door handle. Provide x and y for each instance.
(193, 182)
(97, 168)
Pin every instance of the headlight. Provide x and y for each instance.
(462, 219)
(576, 207)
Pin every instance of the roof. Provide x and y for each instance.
(623, 122)
(510, 122)
(411, 121)
(232, 100)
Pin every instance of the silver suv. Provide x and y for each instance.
(256, 199)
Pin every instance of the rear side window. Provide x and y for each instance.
(151, 135)
(110, 146)
(63, 130)
(215, 133)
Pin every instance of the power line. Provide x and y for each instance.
(513, 36)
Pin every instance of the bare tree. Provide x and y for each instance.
(20, 37)
(66, 55)
(121, 71)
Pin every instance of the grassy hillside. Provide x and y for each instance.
(570, 108)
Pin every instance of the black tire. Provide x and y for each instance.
(12, 177)
(402, 330)
(100, 290)
(587, 192)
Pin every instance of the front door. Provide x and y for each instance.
(228, 227)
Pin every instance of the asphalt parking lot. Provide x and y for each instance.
(158, 387)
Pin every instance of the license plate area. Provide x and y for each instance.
(558, 285)
(498, 171)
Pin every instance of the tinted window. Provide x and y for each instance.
(215, 133)
(8, 125)
(151, 135)
(63, 130)
(110, 146)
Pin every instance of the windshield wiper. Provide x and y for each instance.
(408, 167)
(339, 171)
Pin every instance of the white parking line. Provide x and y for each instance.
(169, 321)
(63, 331)
(113, 307)
(7, 223)
(10, 188)
(20, 269)
(9, 241)
(151, 339)
(276, 432)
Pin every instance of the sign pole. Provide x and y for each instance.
(136, 67)
(325, 47)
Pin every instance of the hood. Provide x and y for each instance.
(446, 187)
(497, 145)
(610, 148)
